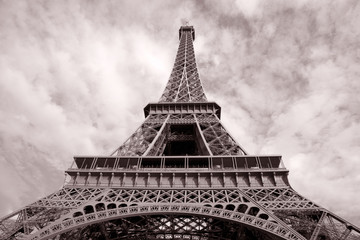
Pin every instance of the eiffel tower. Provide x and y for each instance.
(181, 175)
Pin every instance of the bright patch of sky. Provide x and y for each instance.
(75, 75)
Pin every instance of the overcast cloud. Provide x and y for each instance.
(75, 75)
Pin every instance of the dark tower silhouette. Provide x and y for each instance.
(179, 176)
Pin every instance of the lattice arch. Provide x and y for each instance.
(99, 212)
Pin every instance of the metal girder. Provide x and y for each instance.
(153, 135)
(280, 198)
(138, 142)
(219, 141)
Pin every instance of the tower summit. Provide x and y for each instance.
(180, 175)
(187, 29)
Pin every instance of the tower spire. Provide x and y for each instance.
(184, 84)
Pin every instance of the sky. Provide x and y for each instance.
(75, 76)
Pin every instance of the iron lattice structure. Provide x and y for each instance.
(181, 175)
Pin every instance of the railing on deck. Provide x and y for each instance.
(164, 163)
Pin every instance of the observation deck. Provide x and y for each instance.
(182, 107)
(178, 172)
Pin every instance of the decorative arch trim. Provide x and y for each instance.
(70, 223)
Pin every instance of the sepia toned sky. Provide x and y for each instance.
(75, 76)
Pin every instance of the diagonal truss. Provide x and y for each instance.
(151, 137)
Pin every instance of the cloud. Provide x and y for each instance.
(74, 77)
(247, 7)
